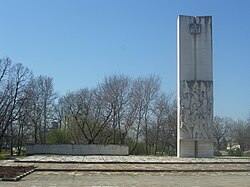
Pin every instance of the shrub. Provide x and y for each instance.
(247, 154)
(3, 155)
(217, 153)
(58, 136)
(139, 150)
(234, 152)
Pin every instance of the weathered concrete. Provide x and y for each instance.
(169, 171)
(126, 159)
(76, 149)
(97, 179)
(195, 87)
(131, 163)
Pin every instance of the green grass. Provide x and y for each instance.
(247, 154)
(4, 155)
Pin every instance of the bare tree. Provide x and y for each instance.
(14, 79)
(162, 111)
(41, 102)
(21, 77)
(144, 92)
(6, 100)
(62, 114)
(152, 87)
(89, 112)
(241, 134)
(168, 133)
(116, 93)
(12, 95)
(221, 128)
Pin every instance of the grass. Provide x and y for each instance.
(4, 154)
(247, 154)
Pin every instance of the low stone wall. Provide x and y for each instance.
(76, 149)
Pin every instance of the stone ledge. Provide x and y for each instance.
(76, 149)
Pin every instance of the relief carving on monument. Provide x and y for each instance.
(195, 28)
(196, 109)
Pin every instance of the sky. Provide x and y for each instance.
(79, 42)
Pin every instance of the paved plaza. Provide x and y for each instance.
(59, 170)
(129, 159)
(94, 179)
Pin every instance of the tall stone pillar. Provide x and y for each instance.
(195, 87)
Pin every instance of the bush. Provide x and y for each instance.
(247, 154)
(139, 150)
(3, 155)
(217, 153)
(234, 152)
(58, 136)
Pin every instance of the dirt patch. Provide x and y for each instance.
(14, 171)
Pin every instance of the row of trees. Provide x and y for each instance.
(26, 105)
(230, 134)
(120, 110)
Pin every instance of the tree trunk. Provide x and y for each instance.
(11, 140)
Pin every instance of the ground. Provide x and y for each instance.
(55, 170)
(87, 179)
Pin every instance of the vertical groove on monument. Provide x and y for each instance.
(195, 86)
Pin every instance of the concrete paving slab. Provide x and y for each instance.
(94, 179)
(131, 164)
(130, 159)
(58, 170)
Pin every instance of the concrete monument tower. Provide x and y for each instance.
(195, 87)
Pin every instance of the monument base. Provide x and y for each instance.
(195, 148)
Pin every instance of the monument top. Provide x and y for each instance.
(195, 47)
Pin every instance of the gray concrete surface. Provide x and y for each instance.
(76, 149)
(96, 171)
(94, 179)
(129, 159)
(131, 163)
